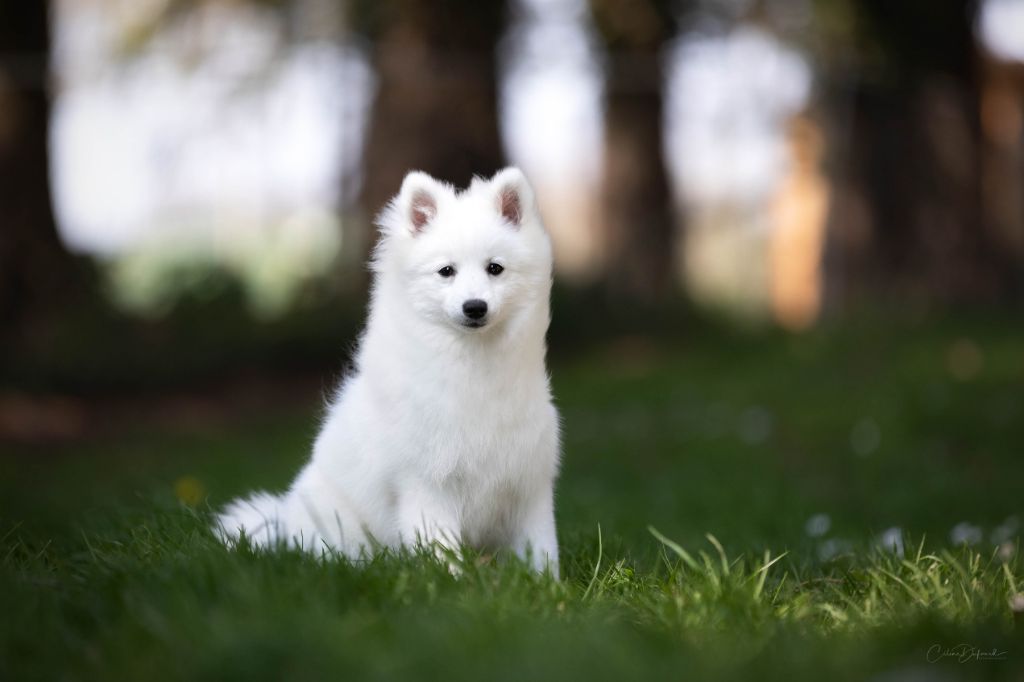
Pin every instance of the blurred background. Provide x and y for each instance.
(788, 311)
(187, 187)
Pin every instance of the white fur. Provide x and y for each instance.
(444, 434)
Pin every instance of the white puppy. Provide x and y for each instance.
(445, 432)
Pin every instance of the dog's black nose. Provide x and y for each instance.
(474, 308)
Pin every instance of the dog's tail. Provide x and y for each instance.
(259, 518)
(312, 516)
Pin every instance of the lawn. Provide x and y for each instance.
(840, 505)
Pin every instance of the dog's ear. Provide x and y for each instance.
(417, 201)
(513, 196)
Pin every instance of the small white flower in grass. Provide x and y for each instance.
(965, 533)
(1017, 602)
(818, 525)
(832, 548)
(865, 437)
(891, 540)
(1005, 531)
(1006, 551)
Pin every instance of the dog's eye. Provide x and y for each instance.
(446, 271)
(495, 269)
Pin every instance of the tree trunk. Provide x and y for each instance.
(908, 218)
(436, 107)
(37, 274)
(636, 211)
(636, 202)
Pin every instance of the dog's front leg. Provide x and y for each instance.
(536, 540)
(426, 519)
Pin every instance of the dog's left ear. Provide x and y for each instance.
(417, 201)
(513, 196)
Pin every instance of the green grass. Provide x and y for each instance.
(691, 470)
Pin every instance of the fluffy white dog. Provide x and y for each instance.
(445, 433)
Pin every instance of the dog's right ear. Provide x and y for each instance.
(417, 201)
(514, 199)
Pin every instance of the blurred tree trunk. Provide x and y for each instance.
(908, 218)
(636, 201)
(436, 107)
(37, 273)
